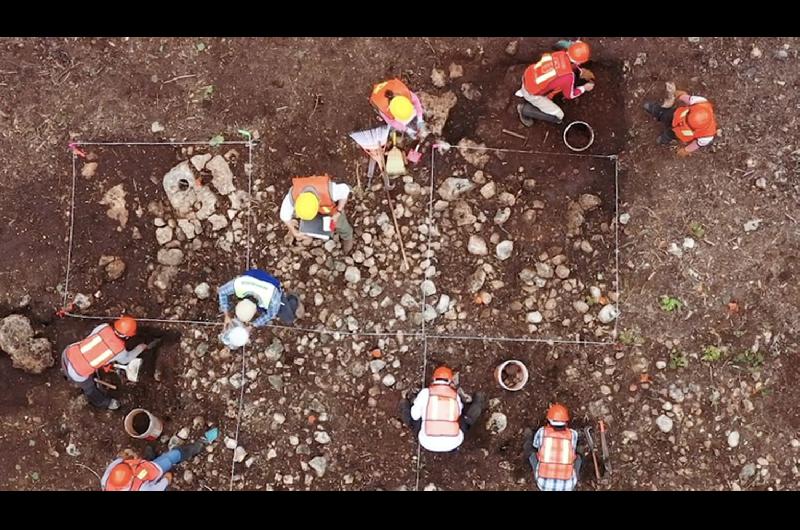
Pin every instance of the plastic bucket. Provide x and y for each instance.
(140, 423)
(579, 124)
(498, 375)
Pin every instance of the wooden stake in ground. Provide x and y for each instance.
(397, 229)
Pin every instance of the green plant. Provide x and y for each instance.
(678, 360)
(750, 359)
(669, 304)
(711, 354)
(217, 140)
(697, 230)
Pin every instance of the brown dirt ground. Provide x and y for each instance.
(303, 95)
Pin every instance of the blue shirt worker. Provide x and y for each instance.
(258, 298)
(556, 464)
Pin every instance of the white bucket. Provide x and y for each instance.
(591, 136)
(235, 336)
(498, 375)
(154, 425)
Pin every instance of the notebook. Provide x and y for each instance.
(321, 227)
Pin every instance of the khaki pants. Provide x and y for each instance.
(542, 103)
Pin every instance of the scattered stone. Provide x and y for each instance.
(504, 249)
(608, 314)
(183, 434)
(476, 281)
(474, 153)
(534, 317)
(171, 257)
(581, 306)
(589, 202)
(462, 214)
(664, 423)
(477, 246)
(624, 218)
(470, 91)
(276, 382)
(529, 184)
(163, 235)
(694, 39)
(676, 394)
(115, 200)
(230, 443)
(502, 216)
(30, 355)
(438, 78)
(199, 161)
(512, 47)
(222, 177)
(202, 291)
(688, 243)
(239, 454)
(319, 464)
(661, 365)
(488, 190)
(218, 222)
(761, 183)
(322, 437)
(376, 365)
(115, 269)
(544, 270)
(274, 351)
(429, 313)
(162, 277)
(733, 439)
(437, 109)
(748, 471)
(156, 127)
(388, 380)
(452, 188)
(89, 169)
(755, 53)
(562, 272)
(497, 423)
(752, 225)
(507, 199)
(456, 71)
(443, 305)
(428, 288)
(675, 250)
(352, 274)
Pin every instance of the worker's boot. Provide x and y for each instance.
(347, 246)
(190, 451)
(475, 408)
(527, 443)
(654, 109)
(527, 122)
(149, 453)
(405, 412)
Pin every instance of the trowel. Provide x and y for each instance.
(131, 369)
(395, 165)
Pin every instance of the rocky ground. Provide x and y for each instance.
(697, 382)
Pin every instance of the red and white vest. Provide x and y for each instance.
(442, 414)
(556, 454)
(321, 186)
(538, 76)
(680, 123)
(95, 351)
(143, 471)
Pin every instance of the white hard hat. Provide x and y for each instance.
(238, 337)
(246, 310)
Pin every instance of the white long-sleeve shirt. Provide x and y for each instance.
(123, 357)
(149, 485)
(437, 444)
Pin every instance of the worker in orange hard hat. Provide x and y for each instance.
(104, 345)
(436, 413)
(554, 74)
(691, 121)
(399, 107)
(129, 472)
(556, 463)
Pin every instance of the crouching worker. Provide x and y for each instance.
(436, 413)
(556, 464)
(104, 345)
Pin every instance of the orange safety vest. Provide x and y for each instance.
(556, 455)
(680, 123)
(321, 186)
(441, 415)
(379, 99)
(143, 470)
(95, 351)
(537, 77)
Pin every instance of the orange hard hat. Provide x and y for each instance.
(121, 476)
(579, 52)
(443, 372)
(125, 325)
(558, 414)
(699, 117)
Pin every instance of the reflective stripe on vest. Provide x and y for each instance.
(95, 351)
(320, 186)
(262, 291)
(556, 455)
(680, 123)
(378, 97)
(441, 413)
(538, 76)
